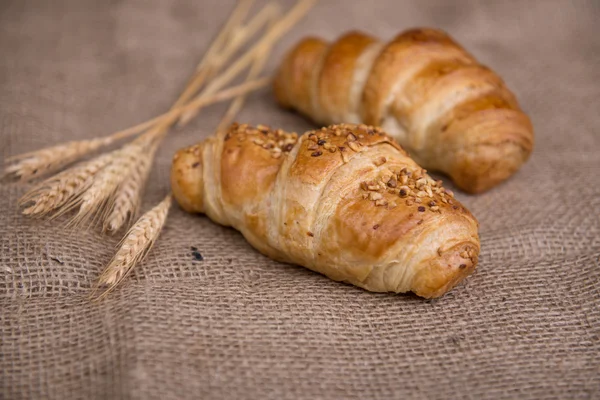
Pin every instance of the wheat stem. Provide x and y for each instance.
(240, 36)
(272, 35)
(255, 70)
(204, 68)
(43, 162)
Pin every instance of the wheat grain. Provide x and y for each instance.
(134, 246)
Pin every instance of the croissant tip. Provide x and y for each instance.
(445, 272)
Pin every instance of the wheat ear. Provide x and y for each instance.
(128, 197)
(49, 160)
(95, 201)
(60, 189)
(134, 246)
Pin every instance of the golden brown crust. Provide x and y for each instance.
(407, 52)
(451, 113)
(261, 166)
(345, 201)
(186, 178)
(293, 84)
(335, 79)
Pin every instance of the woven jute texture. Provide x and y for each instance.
(240, 326)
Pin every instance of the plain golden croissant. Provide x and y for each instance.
(451, 113)
(345, 201)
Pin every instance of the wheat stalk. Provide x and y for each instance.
(241, 34)
(255, 70)
(277, 30)
(205, 68)
(49, 160)
(108, 188)
(134, 246)
(128, 194)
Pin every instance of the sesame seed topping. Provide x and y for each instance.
(316, 153)
(321, 142)
(275, 141)
(421, 209)
(375, 226)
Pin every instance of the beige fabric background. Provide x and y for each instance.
(238, 325)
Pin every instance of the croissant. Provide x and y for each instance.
(451, 113)
(345, 201)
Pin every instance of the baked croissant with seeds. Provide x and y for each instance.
(345, 201)
(451, 113)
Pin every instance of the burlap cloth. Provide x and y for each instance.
(238, 325)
